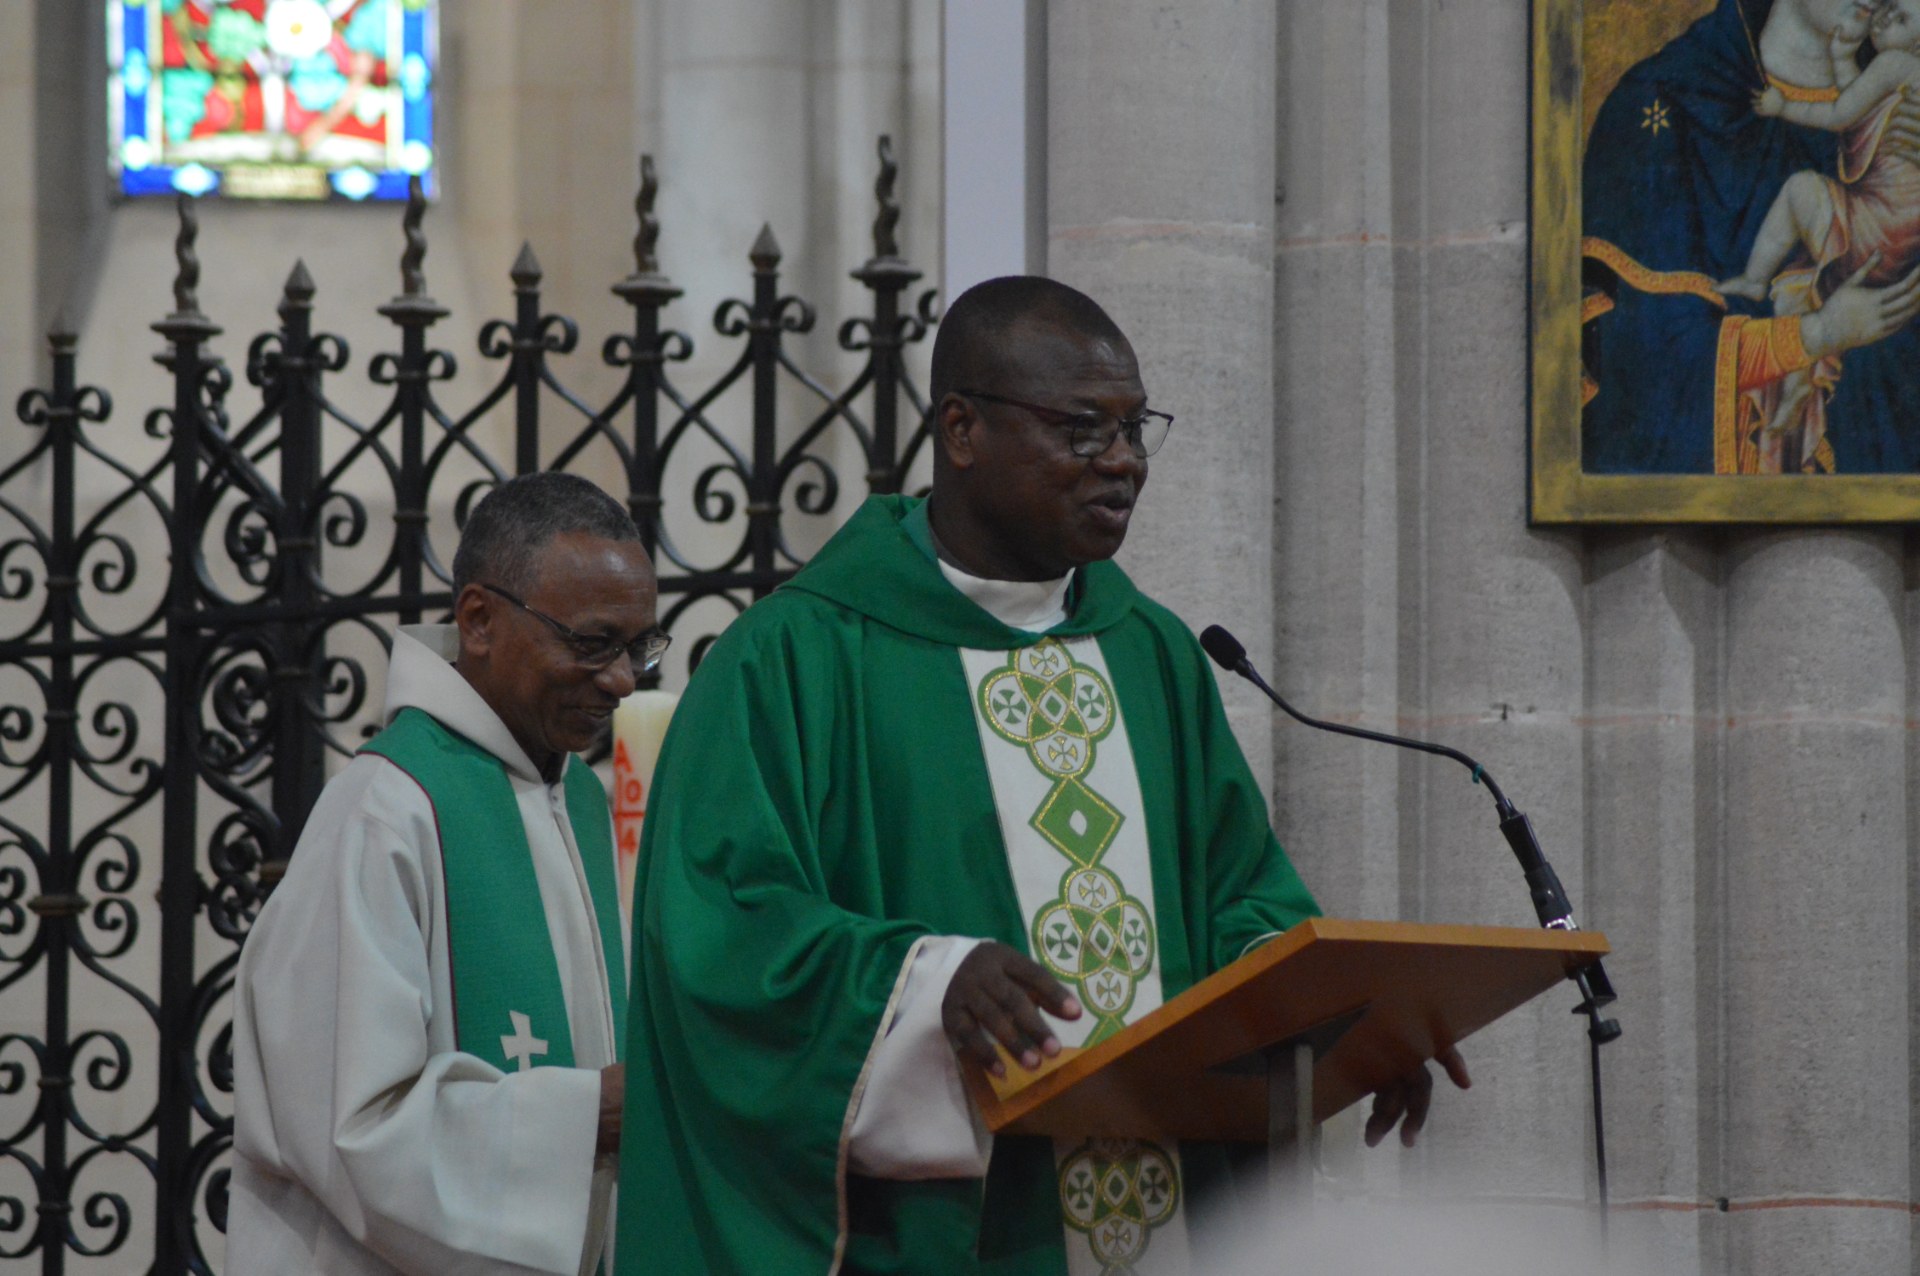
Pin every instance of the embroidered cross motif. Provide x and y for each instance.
(1117, 1191)
(1095, 936)
(1098, 939)
(1050, 706)
(521, 1046)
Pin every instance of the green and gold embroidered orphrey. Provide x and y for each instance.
(1095, 936)
(1117, 1191)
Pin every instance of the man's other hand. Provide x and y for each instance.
(996, 996)
(1409, 1097)
(613, 1097)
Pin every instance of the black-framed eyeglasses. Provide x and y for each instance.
(1093, 432)
(598, 651)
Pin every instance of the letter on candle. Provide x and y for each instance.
(639, 724)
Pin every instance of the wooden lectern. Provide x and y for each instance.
(1290, 1034)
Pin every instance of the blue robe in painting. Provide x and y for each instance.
(1679, 174)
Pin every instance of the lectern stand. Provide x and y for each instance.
(1292, 1132)
(1290, 1034)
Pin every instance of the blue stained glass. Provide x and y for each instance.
(392, 184)
(419, 123)
(195, 179)
(147, 181)
(413, 77)
(355, 183)
(188, 126)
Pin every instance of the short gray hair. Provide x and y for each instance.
(513, 523)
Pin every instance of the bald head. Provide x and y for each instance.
(975, 345)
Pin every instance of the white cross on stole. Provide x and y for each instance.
(521, 1045)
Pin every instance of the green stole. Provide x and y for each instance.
(506, 986)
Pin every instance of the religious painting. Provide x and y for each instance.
(271, 99)
(1725, 261)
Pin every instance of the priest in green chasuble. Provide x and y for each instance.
(959, 785)
(429, 1010)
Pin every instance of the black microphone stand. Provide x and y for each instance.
(1543, 884)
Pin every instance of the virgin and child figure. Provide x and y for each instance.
(1751, 247)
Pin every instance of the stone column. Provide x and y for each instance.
(1342, 383)
(1817, 841)
(1491, 611)
(769, 114)
(1160, 144)
(1656, 743)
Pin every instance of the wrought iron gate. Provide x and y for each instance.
(233, 580)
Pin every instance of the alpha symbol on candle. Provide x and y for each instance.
(629, 800)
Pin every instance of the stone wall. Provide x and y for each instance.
(1712, 729)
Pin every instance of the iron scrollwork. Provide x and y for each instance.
(192, 620)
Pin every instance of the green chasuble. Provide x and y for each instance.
(822, 802)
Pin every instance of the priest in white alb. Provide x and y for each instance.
(429, 1010)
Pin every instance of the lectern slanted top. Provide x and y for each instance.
(1380, 997)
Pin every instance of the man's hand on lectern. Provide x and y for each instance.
(995, 997)
(1410, 1097)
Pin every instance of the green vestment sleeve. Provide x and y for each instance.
(759, 993)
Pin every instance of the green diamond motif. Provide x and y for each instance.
(1077, 822)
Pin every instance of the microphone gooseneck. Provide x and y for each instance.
(1543, 884)
(1549, 896)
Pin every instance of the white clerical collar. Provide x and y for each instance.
(1033, 605)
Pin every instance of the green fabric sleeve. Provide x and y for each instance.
(755, 997)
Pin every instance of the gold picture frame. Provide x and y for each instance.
(1561, 491)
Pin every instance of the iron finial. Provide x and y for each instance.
(299, 289)
(413, 306)
(186, 282)
(765, 253)
(885, 270)
(645, 260)
(186, 325)
(646, 286)
(526, 273)
(884, 243)
(413, 279)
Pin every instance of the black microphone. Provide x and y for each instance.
(1549, 896)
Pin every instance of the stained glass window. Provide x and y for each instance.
(272, 99)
